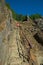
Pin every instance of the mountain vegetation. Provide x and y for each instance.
(35, 16)
(18, 17)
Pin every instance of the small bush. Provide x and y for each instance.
(18, 17)
(35, 16)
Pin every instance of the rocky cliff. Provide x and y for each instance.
(11, 49)
(5, 31)
(17, 43)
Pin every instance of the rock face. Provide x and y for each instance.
(15, 43)
(2, 2)
(10, 44)
(2, 10)
(4, 40)
(39, 23)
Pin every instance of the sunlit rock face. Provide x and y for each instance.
(4, 42)
(5, 31)
(39, 22)
(2, 1)
(2, 5)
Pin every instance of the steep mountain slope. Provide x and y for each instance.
(10, 44)
(17, 43)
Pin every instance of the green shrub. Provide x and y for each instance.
(18, 17)
(35, 16)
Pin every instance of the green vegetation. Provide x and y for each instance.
(8, 6)
(18, 17)
(35, 16)
(0, 3)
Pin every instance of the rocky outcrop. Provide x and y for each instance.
(11, 49)
(5, 30)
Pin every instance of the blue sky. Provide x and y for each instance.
(26, 6)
